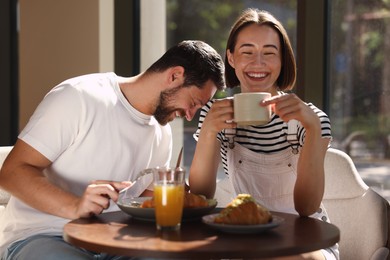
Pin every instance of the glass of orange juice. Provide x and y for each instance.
(168, 197)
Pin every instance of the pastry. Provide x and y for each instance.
(191, 200)
(243, 210)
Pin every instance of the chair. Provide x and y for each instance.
(4, 196)
(359, 212)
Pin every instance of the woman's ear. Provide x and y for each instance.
(230, 58)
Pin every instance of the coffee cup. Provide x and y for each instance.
(248, 111)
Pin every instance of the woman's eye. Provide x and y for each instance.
(247, 52)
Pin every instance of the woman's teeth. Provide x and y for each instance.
(257, 75)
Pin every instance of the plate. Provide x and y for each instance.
(241, 229)
(131, 206)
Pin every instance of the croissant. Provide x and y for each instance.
(191, 200)
(243, 210)
(148, 203)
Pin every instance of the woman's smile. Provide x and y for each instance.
(256, 58)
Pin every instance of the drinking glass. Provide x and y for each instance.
(168, 197)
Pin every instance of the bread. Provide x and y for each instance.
(148, 203)
(243, 210)
(191, 200)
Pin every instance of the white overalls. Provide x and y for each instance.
(269, 178)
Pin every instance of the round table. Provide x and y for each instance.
(117, 233)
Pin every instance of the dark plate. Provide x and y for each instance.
(131, 206)
(241, 229)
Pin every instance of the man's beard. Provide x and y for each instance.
(163, 111)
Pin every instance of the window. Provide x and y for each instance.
(358, 80)
(360, 86)
(210, 21)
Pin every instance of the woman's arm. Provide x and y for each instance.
(207, 156)
(309, 187)
(310, 184)
(203, 172)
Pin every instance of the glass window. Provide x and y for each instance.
(360, 86)
(210, 21)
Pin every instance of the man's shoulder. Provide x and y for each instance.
(94, 85)
(91, 79)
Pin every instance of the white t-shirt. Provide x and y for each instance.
(89, 131)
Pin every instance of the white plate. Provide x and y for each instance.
(241, 229)
(132, 207)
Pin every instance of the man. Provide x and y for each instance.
(89, 135)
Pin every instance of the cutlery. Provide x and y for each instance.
(178, 162)
(140, 175)
(145, 172)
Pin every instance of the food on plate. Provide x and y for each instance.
(191, 200)
(244, 210)
(148, 203)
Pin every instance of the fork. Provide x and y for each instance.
(140, 175)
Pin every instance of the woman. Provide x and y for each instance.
(283, 174)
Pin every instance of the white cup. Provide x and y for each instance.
(247, 109)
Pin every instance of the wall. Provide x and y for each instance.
(58, 40)
(8, 72)
(63, 39)
(153, 45)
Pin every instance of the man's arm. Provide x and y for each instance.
(22, 176)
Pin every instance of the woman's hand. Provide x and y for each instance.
(289, 107)
(219, 117)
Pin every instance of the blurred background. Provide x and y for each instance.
(342, 49)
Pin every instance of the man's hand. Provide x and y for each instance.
(97, 196)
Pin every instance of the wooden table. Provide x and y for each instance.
(117, 233)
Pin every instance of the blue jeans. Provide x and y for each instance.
(49, 247)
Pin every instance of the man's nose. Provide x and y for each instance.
(190, 113)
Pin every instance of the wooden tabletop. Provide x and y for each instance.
(117, 233)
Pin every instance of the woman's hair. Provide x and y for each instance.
(287, 76)
(200, 62)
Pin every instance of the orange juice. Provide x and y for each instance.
(169, 201)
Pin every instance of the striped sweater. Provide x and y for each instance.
(267, 139)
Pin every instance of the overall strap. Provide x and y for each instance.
(230, 133)
(292, 135)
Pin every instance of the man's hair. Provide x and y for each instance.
(199, 60)
(287, 76)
